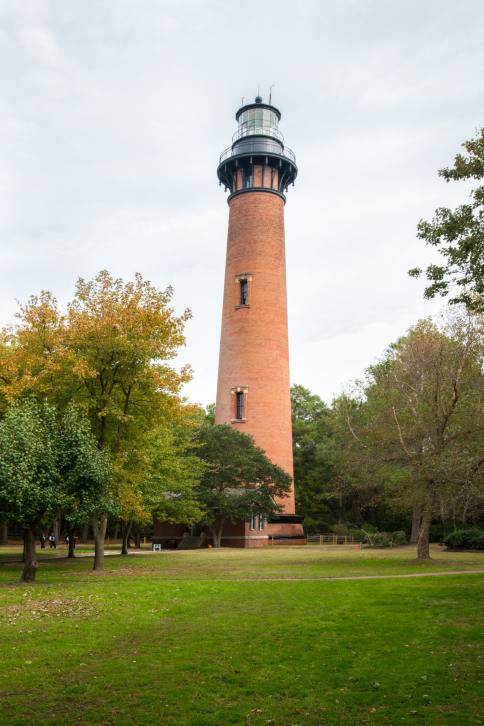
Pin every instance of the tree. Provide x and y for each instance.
(238, 479)
(86, 473)
(31, 488)
(165, 486)
(209, 413)
(110, 355)
(174, 474)
(424, 412)
(459, 236)
(313, 452)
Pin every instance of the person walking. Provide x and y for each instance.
(42, 541)
(52, 541)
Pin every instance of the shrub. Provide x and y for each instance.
(381, 539)
(399, 537)
(479, 542)
(467, 539)
(386, 539)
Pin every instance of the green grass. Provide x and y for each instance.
(163, 639)
(277, 562)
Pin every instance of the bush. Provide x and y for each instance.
(466, 539)
(386, 539)
(479, 542)
(381, 539)
(399, 537)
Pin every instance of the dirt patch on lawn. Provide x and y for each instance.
(30, 609)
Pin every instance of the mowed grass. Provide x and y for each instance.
(227, 563)
(175, 639)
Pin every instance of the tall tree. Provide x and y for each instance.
(162, 477)
(459, 236)
(31, 489)
(424, 410)
(86, 473)
(110, 354)
(238, 480)
(313, 451)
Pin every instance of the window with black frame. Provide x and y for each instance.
(244, 292)
(239, 405)
(248, 178)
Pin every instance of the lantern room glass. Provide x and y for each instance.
(258, 122)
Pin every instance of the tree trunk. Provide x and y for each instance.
(85, 533)
(125, 532)
(217, 536)
(72, 543)
(29, 558)
(3, 533)
(56, 529)
(423, 544)
(99, 525)
(416, 519)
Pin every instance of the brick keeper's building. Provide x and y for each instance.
(253, 392)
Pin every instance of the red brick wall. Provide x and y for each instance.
(254, 339)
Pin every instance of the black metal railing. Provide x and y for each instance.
(259, 147)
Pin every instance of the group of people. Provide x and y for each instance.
(52, 539)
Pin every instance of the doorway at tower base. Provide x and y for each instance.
(283, 529)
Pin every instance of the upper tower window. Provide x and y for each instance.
(244, 291)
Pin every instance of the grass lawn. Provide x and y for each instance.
(174, 638)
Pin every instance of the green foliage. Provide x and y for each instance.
(459, 236)
(85, 470)
(313, 452)
(386, 539)
(466, 539)
(238, 478)
(380, 539)
(209, 413)
(173, 473)
(399, 537)
(31, 487)
(49, 463)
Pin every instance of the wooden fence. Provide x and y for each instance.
(333, 539)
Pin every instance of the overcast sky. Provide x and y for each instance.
(113, 115)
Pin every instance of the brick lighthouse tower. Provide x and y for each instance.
(253, 392)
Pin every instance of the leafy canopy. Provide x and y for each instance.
(239, 478)
(30, 483)
(459, 236)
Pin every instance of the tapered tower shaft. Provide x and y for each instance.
(254, 358)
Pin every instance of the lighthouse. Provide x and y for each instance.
(253, 390)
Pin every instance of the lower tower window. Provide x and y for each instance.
(239, 405)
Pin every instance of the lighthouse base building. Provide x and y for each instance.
(253, 390)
